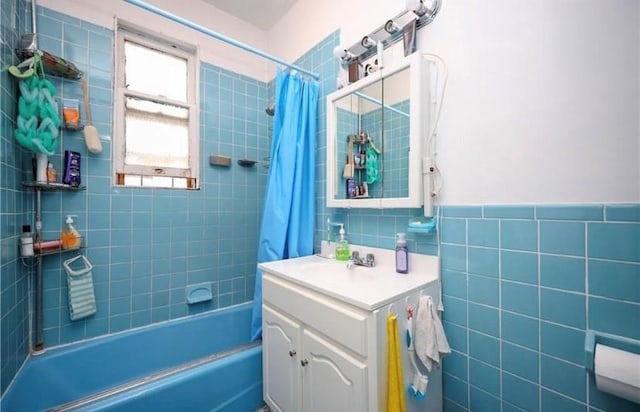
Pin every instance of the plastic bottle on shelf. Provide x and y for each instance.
(26, 242)
(70, 238)
(51, 173)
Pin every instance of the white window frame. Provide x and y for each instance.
(125, 33)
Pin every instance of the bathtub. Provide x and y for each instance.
(200, 363)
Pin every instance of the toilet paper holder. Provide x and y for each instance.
(619, 342)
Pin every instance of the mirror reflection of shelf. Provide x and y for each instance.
(356, 139)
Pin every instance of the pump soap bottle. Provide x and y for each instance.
(402, 256)
(342, 248)
(70, 238)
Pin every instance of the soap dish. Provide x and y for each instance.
(422, 225)
(246, 162)
(200, 292)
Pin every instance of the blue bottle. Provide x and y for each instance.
(402, 256)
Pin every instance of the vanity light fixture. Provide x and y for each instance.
(422, 7)
(344, 55)
(367, 43)
(391, 27)
(423, 12)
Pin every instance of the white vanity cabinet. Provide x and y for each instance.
(326, 352)
(304, 369)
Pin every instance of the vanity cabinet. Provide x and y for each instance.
(299, 361)
(323, 353)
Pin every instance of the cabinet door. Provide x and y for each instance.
(332, 379)
(280, 361)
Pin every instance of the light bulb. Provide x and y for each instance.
(343, 54)
(391, 27)
(339, 51)
(367, 43)
(417, 6)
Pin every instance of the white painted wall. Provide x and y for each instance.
(542, 103)
(101, 12)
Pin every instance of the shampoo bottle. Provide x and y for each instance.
(70, 238)
(402, 257)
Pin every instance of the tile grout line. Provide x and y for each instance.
(539, 292)
(587, 297)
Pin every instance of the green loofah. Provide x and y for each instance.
(38, 119)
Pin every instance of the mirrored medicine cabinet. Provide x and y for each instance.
(376, 132)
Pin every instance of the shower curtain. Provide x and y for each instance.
(288, 216)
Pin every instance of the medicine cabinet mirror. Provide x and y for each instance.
(375, 133)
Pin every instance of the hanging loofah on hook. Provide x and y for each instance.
(38, 121)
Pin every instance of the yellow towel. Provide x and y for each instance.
(395, 385)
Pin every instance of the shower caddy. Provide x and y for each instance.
(58, 67)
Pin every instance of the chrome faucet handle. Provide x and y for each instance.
(355, 255)
(370, 260)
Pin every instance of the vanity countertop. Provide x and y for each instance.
(363, 287)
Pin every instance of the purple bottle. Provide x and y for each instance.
(402, 256)
(71, 168)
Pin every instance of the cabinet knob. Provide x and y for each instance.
(292, 353)
(304, 362)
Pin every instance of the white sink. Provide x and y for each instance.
(368, 288)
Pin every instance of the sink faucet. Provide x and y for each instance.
(369, 260)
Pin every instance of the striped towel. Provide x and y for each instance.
(82, 301)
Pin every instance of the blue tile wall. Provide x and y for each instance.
(14, 345)
(522, 284)
(147, 245)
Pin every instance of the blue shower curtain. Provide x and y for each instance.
(288, 216)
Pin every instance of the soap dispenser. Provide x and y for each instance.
(342, 248)
(70, 238)
(402, 257)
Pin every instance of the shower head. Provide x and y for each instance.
(271, 110)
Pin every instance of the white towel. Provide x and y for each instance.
(430, 341)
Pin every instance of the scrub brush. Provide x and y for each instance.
(91, 137)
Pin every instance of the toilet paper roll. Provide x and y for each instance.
(617, 372)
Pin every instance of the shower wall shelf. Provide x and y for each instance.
(38, 188)
(53, 65)
(52, 251)
(51, 186)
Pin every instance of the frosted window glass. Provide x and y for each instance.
(154, 72)
(157, 134)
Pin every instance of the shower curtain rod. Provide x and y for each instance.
(218, 36)
(378, 102)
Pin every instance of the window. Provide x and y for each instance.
(156, 139)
